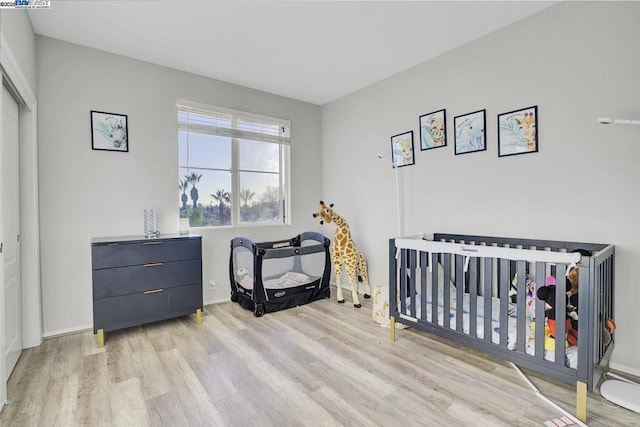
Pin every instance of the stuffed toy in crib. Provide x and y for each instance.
(570, 309)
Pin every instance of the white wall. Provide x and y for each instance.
(86, 193)
(576, 62)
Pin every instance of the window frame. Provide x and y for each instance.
(284, 160)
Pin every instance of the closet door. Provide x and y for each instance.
(10, 236)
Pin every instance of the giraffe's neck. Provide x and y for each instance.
(342, 235)
(340, 222)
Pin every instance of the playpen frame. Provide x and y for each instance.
(259, 299)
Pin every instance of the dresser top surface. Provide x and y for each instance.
(134, 239)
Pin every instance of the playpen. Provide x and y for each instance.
(271, 276)
(481, 292)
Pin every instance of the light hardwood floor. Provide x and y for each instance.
(322, 364)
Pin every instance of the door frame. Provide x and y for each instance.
(18, 85)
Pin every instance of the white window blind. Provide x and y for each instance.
(235, 124)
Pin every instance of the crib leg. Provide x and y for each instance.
(581, 401)
(392, 329)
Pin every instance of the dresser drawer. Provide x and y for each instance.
(123, 254)
(185, 299)
(136, 309)
(112, 282)
(128, 310)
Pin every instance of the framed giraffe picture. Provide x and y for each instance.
(518, 132)
(402, 149)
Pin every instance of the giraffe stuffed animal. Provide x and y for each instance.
(344, 252)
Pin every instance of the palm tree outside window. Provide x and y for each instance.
(235, 164)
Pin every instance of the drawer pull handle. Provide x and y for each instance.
(153, 291)
(153, 264)
(152, 243)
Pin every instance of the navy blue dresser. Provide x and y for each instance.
(138, 280)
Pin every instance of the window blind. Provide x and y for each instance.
(234, 124)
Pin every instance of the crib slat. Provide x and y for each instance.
(488, 310)
(504, 301)
(459, 292)
(521, 326)
(446, 300)
(473, 297)
(541, 271)
(412, 283)
(435, 266)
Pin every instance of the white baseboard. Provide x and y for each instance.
(84, 328)
(625, 369)
(217, 301)
(67, 331)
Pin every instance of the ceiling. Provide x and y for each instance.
(313, 51)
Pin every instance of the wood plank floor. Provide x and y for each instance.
(322, 364)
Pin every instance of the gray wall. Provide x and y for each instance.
(576, 62)
(86, 193)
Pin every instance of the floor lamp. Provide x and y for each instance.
(400, 230)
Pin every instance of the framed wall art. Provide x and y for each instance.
(470, 132)
(109, 131)
(402, 149)
(518, 132)
(433, 130)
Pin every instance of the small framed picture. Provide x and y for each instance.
(433, 130)
(109, 131)
(402, 149)
(470, 132)
(518, 132)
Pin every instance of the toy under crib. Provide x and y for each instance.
(271, 276)
(481, 292)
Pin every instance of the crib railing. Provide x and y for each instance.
(487, 268)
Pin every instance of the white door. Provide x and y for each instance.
(11, 345)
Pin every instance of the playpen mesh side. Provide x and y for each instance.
(281, 267)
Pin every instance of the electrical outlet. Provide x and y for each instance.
(212, 284)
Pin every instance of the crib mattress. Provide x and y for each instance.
(571, 353)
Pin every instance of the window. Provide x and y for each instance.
(233, 167)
